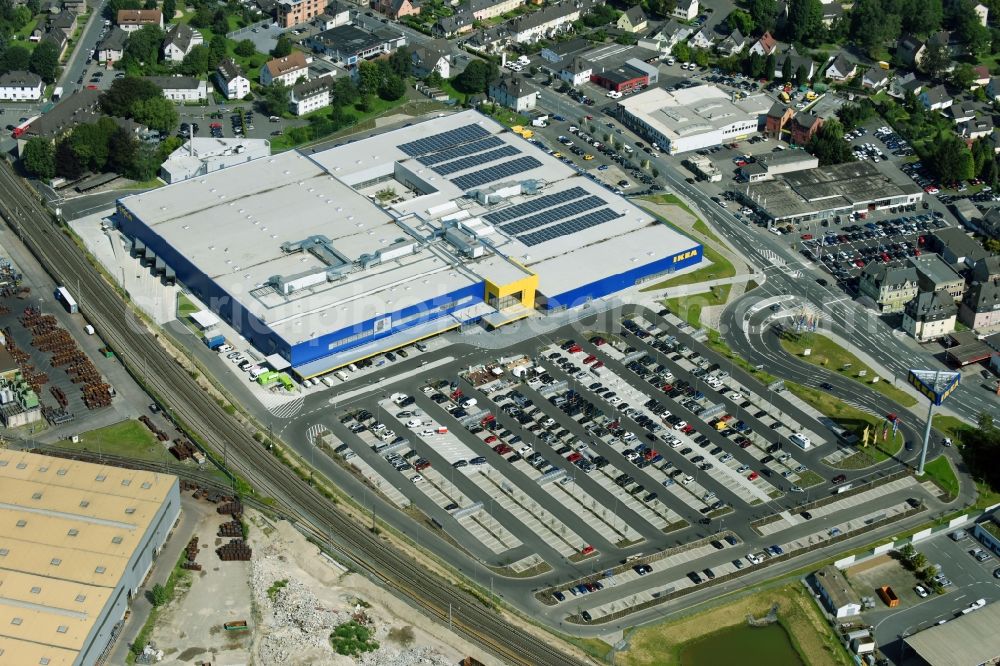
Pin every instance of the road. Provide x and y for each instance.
(84, 49)
(139, 349)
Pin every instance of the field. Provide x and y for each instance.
(940, 471)
(828, 354)
(689, 308)
(125, 438)
(661, 644)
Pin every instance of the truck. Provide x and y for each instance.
(888, 596)
(63, 296)
(214, 341)
(57, 93)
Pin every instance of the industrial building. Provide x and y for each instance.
(969, 638)
(325, 258)
(692, 118)
(202, 155)
(76, 541)
(841, 189)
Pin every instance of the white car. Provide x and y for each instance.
(417, 478)
(614, 94)
(921, 592)
(754, 559)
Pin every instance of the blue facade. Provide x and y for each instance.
(621, 281)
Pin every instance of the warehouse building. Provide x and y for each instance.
(968, 638)
(76, 541)
(692, 118)
(323, 259)
(814, 194)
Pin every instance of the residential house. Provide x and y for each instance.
(900, 86)
(511, 92)
(957, 248)
(841, 69)
(982, 13)
(831, 12)
(350, 44)
(777, 119)
(960, 113)
(565, 52)
(111, 49)
(294, 12)
(975, 128)
(56, 37)
(765, 46)
(179, 41)
(792, 61)
(910, 50)
(310, 96)
(733, 43)
(875, 78)
(78, 7)
(397, 9)
(450, 26)
(131, 20)
(231, 81)
(336, 14)
(967, 213)
(890, 287)
(701, 39)
(837, 595)
(21, 86)
(936, 274)
(64, 21)
(483, 10)
(432, 58)
(667, 37)
(287, 70)
(577, 72)
(803, 127)
(488, 41)
(685, 10)
(936, 98)
(993, 89)
(990, 224)
(633, 20)
(181, 88)
(981, 77)
(980, 309)
(547, 22)
(930, 316)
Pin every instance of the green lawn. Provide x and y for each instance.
(126, 438)
(26, 31)
(940, 471)
(949, 425)
(854, 420)
(671, 200)
(689, 308)
(828, 354)
(452, 91)
(360, 120)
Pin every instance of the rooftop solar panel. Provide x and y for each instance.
(552, 215)
(497, 172)
(444, 140)
(569, 227)
(460, 151)
(534, 205)
(479, 159)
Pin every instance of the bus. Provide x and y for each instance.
(62, 295)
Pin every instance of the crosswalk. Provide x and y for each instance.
(316, 433)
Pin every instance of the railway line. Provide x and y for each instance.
(140, 351)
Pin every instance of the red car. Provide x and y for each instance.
(599, 364)
(688, 429)
(860, 263)
(667, 388)
(753, 476)
(590, 359)
(575, 349)
(502, 449)
(487, 419)
(807, 236)
(422, 466)
(573, 457)
(599, 341)
(456, 394)
(588, 549)
(491, 439)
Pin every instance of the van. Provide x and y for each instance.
(341, 375)
(352, 367)
(329, 382)
(255, 372)
(469, 402)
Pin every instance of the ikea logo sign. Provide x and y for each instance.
(685, 255)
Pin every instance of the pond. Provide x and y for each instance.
(743, 644)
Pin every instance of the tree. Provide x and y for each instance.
(202, 17)
(156, 113)
(682, 51)
(245, 48)
(401, 62)
(169, 9)
(220, 22)
(89, 142)
(67, 163)
(935, 60)
(393, 87)
(853, 114)
(756, 65)
(801, 75)
(963, 76)
(786, 69)
(123, 151)
(196, 61)
(345, 92)
(950, 159)
(143, 45)
(15, 57)
(918, 561)
(45, 61)
(701, 57)
(923, 17)
(662, 8)
(275, 100)
(828, 144)
(872, 26)
(805, 21)
(370, 77)
(39, 158)
(282, 48)
(476, 77)
(740, 20)
(111, 9)
(124, 92)
(970, 32)
(764, 14)
(158, 596)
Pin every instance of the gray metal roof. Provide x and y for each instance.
(966, 639)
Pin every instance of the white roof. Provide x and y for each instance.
(205, 319)
(692, 111)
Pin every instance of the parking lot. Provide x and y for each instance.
(603, 448)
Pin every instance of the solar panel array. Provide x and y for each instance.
(444, 140)
(534, 205)
(460, 151)
(497, 172)
(552, 215)
(569, 227)
(479, 159)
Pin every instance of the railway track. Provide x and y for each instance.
(139, 351)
